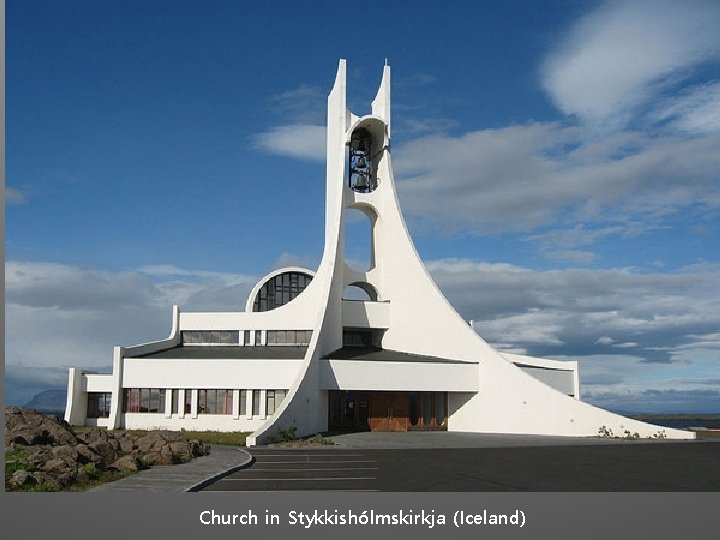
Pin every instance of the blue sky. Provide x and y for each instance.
(558, 164)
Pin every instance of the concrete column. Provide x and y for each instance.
(181, 403)
(117, 388)
(168, 402)
(263, 398)
(193, 403)
(236, 404)
(248, 403)
(75, 412)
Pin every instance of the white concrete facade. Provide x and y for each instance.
(307, 346)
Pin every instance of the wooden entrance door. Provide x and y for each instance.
(388, 411)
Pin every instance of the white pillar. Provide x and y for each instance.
(249, 403)
(193, 403)
(236, 405)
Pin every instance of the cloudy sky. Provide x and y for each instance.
(558, 164)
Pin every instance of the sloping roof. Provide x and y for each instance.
(374, 354)
(231, 352)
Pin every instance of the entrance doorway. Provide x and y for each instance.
(388, 411)
(428, 410)
(360, 410)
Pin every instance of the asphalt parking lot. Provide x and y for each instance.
(315, 470)
(630, 467)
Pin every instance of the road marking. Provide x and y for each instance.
(287, 454)
(294, 479)
(298, 469)
(276, 490)
(324, 461)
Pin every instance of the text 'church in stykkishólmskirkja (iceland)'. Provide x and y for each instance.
(307, 354)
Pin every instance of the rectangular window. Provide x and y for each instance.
(357, 338)
(215, 401)
(273, 399)
(247, 338)
(270, 402)
(98, 405)
(188, 401)
(258, 337)
(243, 402)
(210, 336)
(175, 401)
(256, 403)
(144, 400)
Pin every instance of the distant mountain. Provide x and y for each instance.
(49, 400)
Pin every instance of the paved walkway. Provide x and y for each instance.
(190, 476)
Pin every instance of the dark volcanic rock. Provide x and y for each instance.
(52, 455)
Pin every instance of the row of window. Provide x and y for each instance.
(230, 337)
(209, 401)
(250, 337)
(296, 337)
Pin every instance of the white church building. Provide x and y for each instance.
(308, 354)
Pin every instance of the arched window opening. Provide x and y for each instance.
(280, 289)
(360, 291)
(359, 240)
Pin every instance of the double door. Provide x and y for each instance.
(388, 411)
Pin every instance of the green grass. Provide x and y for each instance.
(218, 437)
(14, 462)
(235, 438)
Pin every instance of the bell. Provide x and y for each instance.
(361, 182)
(361, 162)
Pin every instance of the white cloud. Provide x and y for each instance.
(302, 105)
(695, 111)
(574, 256)
(15, 195)
(301, 141)
(292, 259)
(584, 310)
(61, 315)
(522, 177)
(625, 53)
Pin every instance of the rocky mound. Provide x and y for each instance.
(40, 449)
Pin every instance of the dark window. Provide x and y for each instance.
(210, 336)
(357, 338)
(144, 400)
(440, 407)
(280, 290)
(99, 404)
(188, 401)
(215, 401)
(289, 337)
(243, 402)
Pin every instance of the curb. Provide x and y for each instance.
(249, 459)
